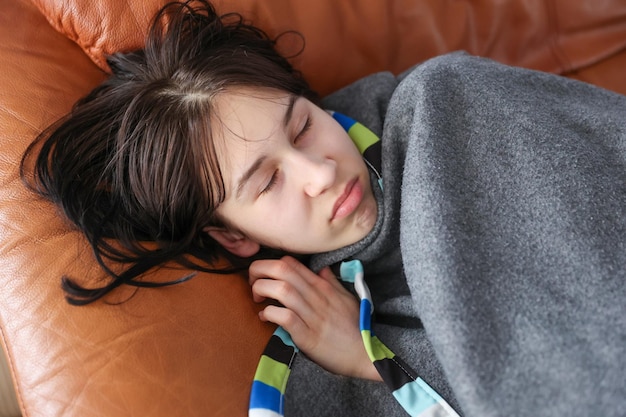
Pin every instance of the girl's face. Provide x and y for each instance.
(294, 179)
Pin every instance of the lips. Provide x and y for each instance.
(348, 201)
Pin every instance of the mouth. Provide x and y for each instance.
(348, 201)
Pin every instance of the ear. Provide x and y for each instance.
(233, 241)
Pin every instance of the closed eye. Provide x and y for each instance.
(271, 183)
(274, 178)
(305, 128)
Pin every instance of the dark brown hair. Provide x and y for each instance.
(133, 165)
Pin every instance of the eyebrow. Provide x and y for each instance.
(260, 160)
(249, 173)
(289, 111)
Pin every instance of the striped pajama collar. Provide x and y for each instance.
(272, 374)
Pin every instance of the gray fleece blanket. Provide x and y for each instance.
(498, 263)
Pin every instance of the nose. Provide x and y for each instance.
(316, 173)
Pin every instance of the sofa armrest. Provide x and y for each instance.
(189, 349)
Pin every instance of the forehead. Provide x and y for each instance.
(243, 121)
(244, 109)
(243, 116)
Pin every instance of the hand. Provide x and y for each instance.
(321, 316)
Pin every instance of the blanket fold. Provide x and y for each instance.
(505, 190)
(513, 234)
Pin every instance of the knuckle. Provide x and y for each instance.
(323, 286)
(283, 267)
(284, 290)
(287, 258)
(290, 319)
(292, 263)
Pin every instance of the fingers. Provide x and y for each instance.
(293, 285)
(321, 316)
(311, 277)
(284, 317)
(267, 269)
(287, 268)
(297, 298)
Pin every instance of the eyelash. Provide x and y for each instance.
(307, 125)
(274, 179)
(271, 184)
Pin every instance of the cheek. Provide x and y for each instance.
(339, 142)
(285, 221)
(347, 155)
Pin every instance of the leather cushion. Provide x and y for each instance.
(349, 39)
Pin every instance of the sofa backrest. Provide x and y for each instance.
(350, 39)
(192, 349)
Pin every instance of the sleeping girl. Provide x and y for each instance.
(449, 241)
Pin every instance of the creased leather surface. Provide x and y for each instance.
(189, 350)
(348, 39)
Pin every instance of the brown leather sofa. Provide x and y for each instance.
(191, 349)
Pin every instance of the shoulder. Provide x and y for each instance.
(365, 100)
